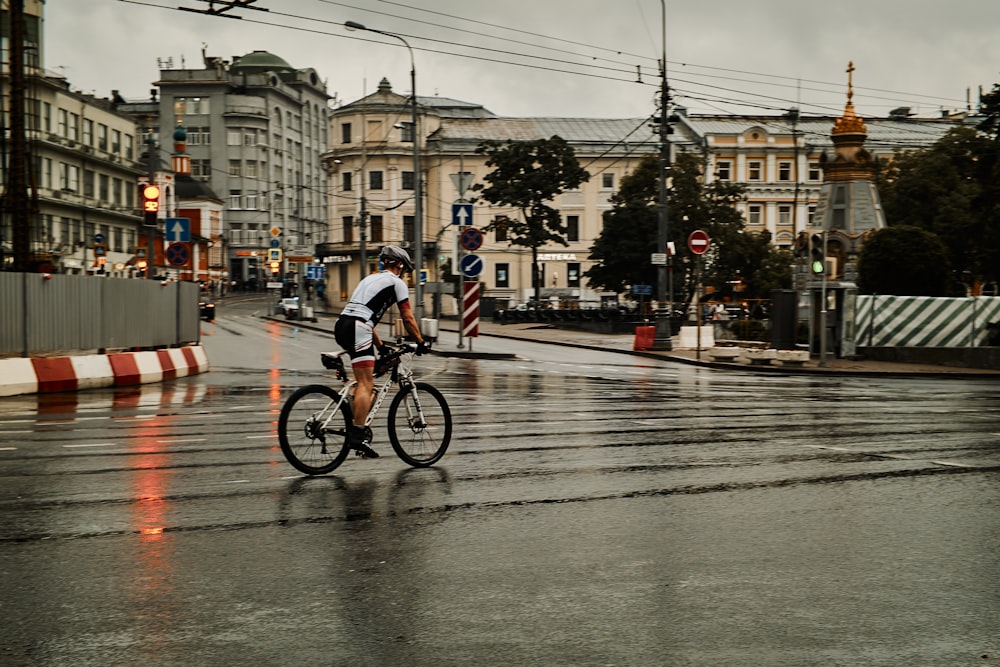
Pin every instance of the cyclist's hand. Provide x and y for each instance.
(383, 349)
(423, 347)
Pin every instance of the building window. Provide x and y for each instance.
(784, 214)
(250, 138)
(815, 174)
(406, 131)
(235, 167)
(88, 132)
(347, 181)
(233, 138)
(116, 243)
(102, 136)
(199, 136)
(407, 177)
(408, 228)
(88, 183)
(376, 228)
(500, 229)
(784, 171)
(345, 133)
(235, 199)
(250, 201)
(348, 229)
(129, 148)
(103, 187)
(572, 228)
(69, 177)
(724, 170)
(374, 180)
(201, 168)
(754, 215)
(607, 181)
(754, 170)
(116, 142)
(502, 274)
(116, 191)
(251, 169)
(812, 213)
(573, 274)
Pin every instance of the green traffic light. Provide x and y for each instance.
(817, 267)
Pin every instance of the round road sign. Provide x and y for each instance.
(471, 265)
(177, 254)
(698, 242)
(471, 239)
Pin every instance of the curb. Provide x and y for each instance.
(87, 371)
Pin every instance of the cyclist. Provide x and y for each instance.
(355, 332)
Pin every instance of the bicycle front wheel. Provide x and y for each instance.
(313, 438)
(419, 424)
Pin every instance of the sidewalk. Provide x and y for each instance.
(545, 333)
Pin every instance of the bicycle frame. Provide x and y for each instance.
(399, 375)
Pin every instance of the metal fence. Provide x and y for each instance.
(918, 321)
(63, 314)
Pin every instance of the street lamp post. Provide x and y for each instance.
(418, 213)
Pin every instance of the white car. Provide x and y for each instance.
(288, 307)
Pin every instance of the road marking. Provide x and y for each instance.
(6, 432)
(236, 481)
(7, 449)
(184, 440)
(953, 464)
(254, 437)
(92, 444)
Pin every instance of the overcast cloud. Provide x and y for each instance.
(727, 56)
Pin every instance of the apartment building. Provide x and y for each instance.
(371, 183)
(83, 157)
(255, 129)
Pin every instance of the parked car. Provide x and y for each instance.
(206, 309)
(288, 307)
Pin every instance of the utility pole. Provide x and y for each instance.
(16, 200)
(664, 293)
(151, 229)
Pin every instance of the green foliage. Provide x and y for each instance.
(527, 175)
(622, 250)
(952, 189)
(905, 261)
(750, 330)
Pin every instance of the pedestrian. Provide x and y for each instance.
(355, 331)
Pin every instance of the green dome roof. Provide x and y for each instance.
(261, 61)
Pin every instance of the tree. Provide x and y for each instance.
(904, 260)
(527, 175)
(952, 190)
(622, 250)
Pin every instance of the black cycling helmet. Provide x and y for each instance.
(395, 254)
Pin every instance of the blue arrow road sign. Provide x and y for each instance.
(461, 214)
(178, 230)
(471, 265)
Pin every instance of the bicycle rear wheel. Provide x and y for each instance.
(313, 439)
(419, 424)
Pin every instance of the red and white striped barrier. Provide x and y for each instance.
(86, 371)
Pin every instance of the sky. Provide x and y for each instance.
(562, 58)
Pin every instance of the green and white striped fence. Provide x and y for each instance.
(919, 321)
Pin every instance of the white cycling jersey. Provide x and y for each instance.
(374, 295)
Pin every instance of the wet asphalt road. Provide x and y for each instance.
(594, 509)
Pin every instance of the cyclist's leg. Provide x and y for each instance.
(362, 355)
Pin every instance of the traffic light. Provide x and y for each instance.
(149, 195)
(275, 267)
(817, 255)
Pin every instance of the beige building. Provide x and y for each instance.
(371, 186)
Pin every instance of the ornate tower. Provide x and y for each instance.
(849, 207)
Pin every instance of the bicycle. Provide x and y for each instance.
(314, 439)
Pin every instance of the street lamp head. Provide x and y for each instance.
(354, 25)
